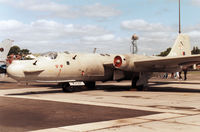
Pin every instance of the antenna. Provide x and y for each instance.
(179, 16)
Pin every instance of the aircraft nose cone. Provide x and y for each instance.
(15, 71)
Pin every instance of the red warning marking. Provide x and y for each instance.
(82, 73)
(61, 66)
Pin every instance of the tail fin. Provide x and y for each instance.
(5, 46)
(181, 46)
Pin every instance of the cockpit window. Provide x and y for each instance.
(51, 55)
(66, 52)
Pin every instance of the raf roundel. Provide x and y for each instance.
(1, 49)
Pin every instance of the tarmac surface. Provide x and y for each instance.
(167, 105)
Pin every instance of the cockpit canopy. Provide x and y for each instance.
(51, 55)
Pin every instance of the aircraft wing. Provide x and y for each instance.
(163, 63)
(156, 64)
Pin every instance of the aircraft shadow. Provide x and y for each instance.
(155, 87)
(37, 92)
(51, 86)
(172, 89)
(172, 82)
(6, 82)
(114, 88)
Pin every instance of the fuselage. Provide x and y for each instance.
(65, 67)
(62, 67)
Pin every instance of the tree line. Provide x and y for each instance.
(15, 50)
(194, 51)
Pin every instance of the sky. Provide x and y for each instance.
(108, 25)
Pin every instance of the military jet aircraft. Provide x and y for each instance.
(4, 49)
(78, 69)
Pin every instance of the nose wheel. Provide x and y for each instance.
(66, 87)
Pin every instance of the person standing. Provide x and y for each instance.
(185, 69)
(180, 77)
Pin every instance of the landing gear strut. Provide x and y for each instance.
(134, 84)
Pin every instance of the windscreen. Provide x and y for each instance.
(50, 55)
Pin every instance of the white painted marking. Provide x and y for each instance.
(193, 120)
(161, 116)
(76, 83)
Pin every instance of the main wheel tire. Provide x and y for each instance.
(134, 82)
(140, 88)
(61, 84)
(67, 88)
(90, 85)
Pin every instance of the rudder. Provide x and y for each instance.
(181, 46)
(5, 46)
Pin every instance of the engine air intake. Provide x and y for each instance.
(117, 61)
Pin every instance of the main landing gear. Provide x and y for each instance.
(68, 87)
(135, 86)
(90, 85)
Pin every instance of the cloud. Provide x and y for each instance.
(47, 8)
(44, 35)
(98, 10)
(153, 37)
(50, 33)
(156, 37)
(51, 29)
(106, 37)
(195, 2)
(143, 26)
